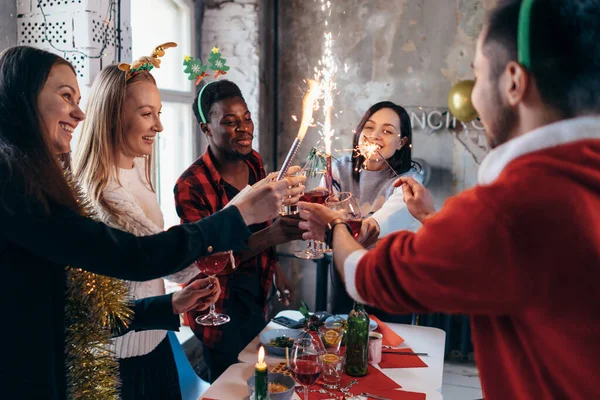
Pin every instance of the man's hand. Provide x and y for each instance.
(285, 229)
(418, 199)
(369, 232)
(284, 286)
(316, 219)
(196, 296)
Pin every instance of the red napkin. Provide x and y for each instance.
(391, 360)
(398, 394)
(390, 338)
(374, 380)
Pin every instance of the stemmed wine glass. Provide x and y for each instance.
(211, 266)
(345, 201)
(306, 362)
(318, 197)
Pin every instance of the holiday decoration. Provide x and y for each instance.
(217, 63)
(96, 305)
(195, 68)
(146, 63)
(459, 101)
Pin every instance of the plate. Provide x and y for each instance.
(372, 324)
(267, 336)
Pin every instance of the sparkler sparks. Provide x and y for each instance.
(325, 76)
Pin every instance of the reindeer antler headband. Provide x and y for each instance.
(146, 63)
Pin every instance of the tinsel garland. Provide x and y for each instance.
(96, 305)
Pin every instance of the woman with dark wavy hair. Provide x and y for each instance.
(370, 177)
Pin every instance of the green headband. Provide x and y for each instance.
(524, 34)
(202, 117)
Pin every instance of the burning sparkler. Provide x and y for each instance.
(368, 149)
(325, 76)
(308, 104)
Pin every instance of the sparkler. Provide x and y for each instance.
(308, 104)
(368, 149)
(325, 76)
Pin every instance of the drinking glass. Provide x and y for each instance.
(318, 197)
(345, 201)
(306, 362)
(333, 367)
(293, 208)
(211, 266)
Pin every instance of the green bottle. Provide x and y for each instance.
(357, 342)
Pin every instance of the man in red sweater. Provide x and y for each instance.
(519, 252)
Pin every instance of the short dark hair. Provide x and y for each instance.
(401, 161)
(215, 92)
(565, 50)
(25, 156)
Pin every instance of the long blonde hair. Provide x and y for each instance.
(102, 136)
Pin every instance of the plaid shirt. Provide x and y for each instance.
(200, 192)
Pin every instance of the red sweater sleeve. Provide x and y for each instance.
(460, 261)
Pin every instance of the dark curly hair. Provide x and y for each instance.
(213, 93)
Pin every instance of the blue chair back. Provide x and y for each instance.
(190, 384)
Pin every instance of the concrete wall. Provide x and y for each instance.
(8, 24)
(233, 27)
(409, 52)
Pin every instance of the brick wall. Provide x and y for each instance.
(232, 26)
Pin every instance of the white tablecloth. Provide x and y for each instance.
(232, 384)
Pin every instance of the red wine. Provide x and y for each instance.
(315, 196)
(355, 225)
(306, 372)
(213, 264)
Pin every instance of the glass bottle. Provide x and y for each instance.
(357, 342)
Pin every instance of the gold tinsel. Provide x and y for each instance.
(96, 305)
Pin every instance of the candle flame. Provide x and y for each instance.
(261, 355)
(308, 105)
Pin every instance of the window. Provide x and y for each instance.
(154, 22)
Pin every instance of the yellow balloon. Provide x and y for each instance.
(459, 101)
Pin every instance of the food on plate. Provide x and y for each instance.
(275, 387)
(281, 368)
(282, 341)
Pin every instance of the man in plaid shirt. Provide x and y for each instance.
(228, 165)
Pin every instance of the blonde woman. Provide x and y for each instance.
(113, 164)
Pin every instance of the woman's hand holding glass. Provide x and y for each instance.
(197, 296)
(347, 203)
(316, 217)
(211, 266)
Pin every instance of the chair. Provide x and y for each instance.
(190, 384)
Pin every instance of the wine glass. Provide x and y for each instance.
(211, 266)
(293, 208)
(318, 197)
(345, 201)
(306, 362)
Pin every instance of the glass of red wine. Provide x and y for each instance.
(318, 197)
(346, 202)
(306, 362)
(211, 266)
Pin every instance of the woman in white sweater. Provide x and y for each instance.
(113, 164)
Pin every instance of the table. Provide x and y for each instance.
(232, 384)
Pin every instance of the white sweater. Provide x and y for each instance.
(140, 215)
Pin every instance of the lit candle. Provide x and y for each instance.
(260, 377)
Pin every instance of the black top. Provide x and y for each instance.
(34, 251)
